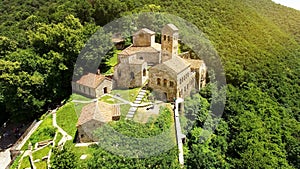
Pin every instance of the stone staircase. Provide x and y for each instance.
(135, 104)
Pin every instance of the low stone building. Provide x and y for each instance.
(93, 116)
(199, 67)
(93, 85)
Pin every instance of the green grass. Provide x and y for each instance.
(128, 94)
(16, 162)
(79, 151)
(41, 164)
(41, 153)
(78, 107)
(58, 138)
(44, 132)
(124, 108)
(79, 97)
(25, 163)
(110, 100)
(66, 118)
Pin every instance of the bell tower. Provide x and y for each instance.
(169, 42)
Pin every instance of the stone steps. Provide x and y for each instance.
(137, 101)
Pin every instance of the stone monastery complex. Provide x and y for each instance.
(159, 67)
(145, 62)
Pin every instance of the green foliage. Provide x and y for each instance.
(104, 159)
(44, 132)
(258, 42)
(64, 159)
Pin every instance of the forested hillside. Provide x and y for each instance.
(257, 40)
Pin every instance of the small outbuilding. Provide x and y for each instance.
(93, 116)
(92, 85)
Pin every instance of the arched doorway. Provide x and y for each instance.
(105, 90)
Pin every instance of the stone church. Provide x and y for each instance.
(166, 72)
(159, 66)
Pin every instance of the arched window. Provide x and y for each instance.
(144, 72)
(165, 82)
(132, 75)
(158, 81)
(165, 37)
(141, 58)
(171, 84)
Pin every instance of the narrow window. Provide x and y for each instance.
(171, 84)
(132, 75)
(165, 37)
(158, 81)
(165, 82)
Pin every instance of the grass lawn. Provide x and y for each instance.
(78, 107)
(58, 138)
(44, 132)
(66, 118)
(75, 96)
(79, 151)
(41, 153)
(110, 100)
(128, 94)
(41, 164)
(124, 108)
(25, 162)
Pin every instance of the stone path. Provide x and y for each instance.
(136, 104)
(4, 158)
(66, 136)
(179, 135)
(28, 135)
(81, 101)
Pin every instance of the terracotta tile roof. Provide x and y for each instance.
(145, 30)
(195, 63)
(171, 26)
(176, 64)
(117, 38)
(134, 49)
(101, 111)
(91, 80)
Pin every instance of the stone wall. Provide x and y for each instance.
(129, 76)
(81, 89)
(152, 58)
(100, 90)
(162, 82)
(86, 131)
(186, 83)
(143, 39)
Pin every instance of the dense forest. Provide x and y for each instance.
(258, 42)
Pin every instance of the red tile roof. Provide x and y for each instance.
(101, 111)
(91, 80)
